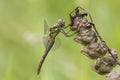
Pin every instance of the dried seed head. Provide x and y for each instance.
(81, 20)
(86, 37)
(94, 50)
(78, 39)
(113, 76)
(114, 52)
(102, 48)
(104, 65)
(76, 22)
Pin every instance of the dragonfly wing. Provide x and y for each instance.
(46, 37)
(57, 43)
(46, 34)
(46, 28)
(45, 41)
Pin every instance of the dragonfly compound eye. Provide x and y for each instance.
(61, 22)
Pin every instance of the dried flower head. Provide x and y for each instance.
(95, 50)
(113, 76)
(104, 65)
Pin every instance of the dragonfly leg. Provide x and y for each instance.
(66, 34)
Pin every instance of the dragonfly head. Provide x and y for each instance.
(61, 22)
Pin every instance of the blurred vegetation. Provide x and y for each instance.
(21, 31)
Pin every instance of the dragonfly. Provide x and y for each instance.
(50, 39)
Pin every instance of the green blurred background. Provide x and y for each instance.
(21, 31)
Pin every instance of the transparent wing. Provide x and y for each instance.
(46, 33)
(46, 28)
(46, 37)
(57, 43)
(45, 40)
